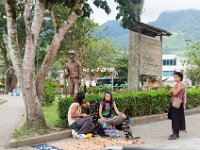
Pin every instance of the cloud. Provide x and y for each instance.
(100, 16)
(152, 9)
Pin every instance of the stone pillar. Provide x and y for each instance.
(133, 63)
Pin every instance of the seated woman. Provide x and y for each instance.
(105, 112)
(80, 123)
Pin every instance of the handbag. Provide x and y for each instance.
(176, 102)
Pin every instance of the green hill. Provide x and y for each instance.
(184, 25)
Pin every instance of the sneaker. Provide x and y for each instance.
(81, 136)
(173, 137)
(74, 134)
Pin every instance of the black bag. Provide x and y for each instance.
(169, 115)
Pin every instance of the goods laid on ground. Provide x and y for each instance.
(97, 143)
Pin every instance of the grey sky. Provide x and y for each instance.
(152, 9)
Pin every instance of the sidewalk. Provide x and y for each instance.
(11, 113)
(155, 135)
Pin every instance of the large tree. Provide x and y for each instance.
(23, 56)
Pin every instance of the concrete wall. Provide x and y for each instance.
(149, 51)
(151, 57)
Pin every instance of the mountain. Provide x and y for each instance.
(184, 25)
(114, 31)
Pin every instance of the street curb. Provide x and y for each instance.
(13, 143)
(160, 117)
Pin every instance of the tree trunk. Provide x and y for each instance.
(4, 53)
(24, 69)
(64, 83)
(12, 82)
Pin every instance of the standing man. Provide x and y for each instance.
(74, 73)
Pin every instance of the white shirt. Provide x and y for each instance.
(70, 119)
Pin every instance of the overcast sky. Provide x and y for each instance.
(151, 11)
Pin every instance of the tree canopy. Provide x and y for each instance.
(193, 61)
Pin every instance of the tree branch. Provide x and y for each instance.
(13, 39)
(27, 20)
(52, 16)
(37, 20)
(53, 50)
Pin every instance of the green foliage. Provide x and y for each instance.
(129, 12)
(100, 53)
(63, 107)
(193, 71)
(121, 66)
(50, 92)
(135, 104)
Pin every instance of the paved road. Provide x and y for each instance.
(156, 134)
(11, 113)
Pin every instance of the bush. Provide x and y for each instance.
(50, 92)
(135, 104)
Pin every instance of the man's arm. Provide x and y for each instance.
(74, 112)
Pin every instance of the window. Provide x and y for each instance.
(168, 73)
(169, 62)
(164, 62)
(174, 62)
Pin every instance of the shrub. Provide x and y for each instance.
(50, 92)
(134, 104)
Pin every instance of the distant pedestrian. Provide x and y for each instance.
(85, 88)
(90, 83)
(177, 107)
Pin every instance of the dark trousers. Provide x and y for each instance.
(178, 119)
(83, 125)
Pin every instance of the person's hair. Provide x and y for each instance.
(79, 98)
(111, 98)
(179, 74)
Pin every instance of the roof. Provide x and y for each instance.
(149, 30)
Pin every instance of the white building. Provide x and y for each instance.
(172, 63)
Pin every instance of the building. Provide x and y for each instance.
(145, 53)
(172, 63)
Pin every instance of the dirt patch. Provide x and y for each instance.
(94, 143)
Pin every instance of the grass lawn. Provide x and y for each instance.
(51, 115)
(52, 121)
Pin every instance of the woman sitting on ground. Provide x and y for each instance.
(105, 112)
(80, 123)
